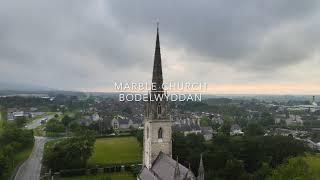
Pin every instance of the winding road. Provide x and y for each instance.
(37, 122)
(30, 169)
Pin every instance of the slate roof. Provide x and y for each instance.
(206, 130)
(145, 174)
(235, 127)
(186, 127)
(137, 120)
(123, 121)
(164, 167)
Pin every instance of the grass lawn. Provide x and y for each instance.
(39, 131)
(113, 176)
(22, 155)
(116, 150)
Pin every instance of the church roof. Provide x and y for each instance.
(146, 174)
(164, 167)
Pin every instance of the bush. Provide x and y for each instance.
(73, 172)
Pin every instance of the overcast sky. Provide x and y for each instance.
(247, 46)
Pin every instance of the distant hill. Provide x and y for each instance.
(22, 87)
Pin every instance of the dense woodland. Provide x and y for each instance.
(238, 157)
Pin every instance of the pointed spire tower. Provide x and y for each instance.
(157, 125)
(157, 79)
(201, 169)
(177, 170)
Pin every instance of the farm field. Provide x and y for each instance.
(115, 150)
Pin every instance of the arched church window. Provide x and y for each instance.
(160, 133)
(159, 108)
(115, 125)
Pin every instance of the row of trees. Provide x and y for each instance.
(12, 141)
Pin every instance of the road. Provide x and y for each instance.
(37, 122)
(30, 169)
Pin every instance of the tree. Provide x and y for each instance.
(236, 168)
(266, 119)
(4, 163)
(258, 154)
(254, 129)
(69, 153)
(225, 128)
(54, 125)
(296, 168)
(138, 134)
(66, 120)
(204, 121)
(279, 148)
(188, 149)
(21, 121)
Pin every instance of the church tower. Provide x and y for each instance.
(157, 125)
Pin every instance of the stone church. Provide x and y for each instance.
(157, 146)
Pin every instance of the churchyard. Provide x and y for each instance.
(116, 150)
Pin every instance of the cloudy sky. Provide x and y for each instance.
(249, 46)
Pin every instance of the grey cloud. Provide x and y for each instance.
(228, 31)
(64, 43)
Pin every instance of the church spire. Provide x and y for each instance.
(177, 170)
(201, 169)
(157, 79)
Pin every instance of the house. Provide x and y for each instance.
(186, 128)
(137, 121)
(95, 117)
(207, 133)
(85, 121)
(121, 123)
(289, 119)
(235, 130)
(13, 113)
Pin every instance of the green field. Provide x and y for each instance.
(115, 151)
(113, 176)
